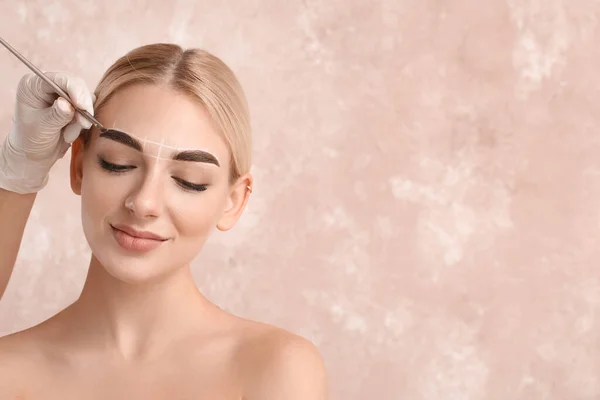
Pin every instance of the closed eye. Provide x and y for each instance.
(115, 168)
(189, 185)
(119, 168)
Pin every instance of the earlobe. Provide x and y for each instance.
(236, 203)
(76, 167)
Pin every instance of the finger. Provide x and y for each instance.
(59, 78)
(74, 86)
(30, 92)
(82, 97)
(59, 115)
(62, 150)
(83, 121)
(72, 131)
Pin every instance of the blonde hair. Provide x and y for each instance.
(196, 73)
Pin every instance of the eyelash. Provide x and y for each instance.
(119, 169)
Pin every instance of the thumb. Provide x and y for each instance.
(57, 116)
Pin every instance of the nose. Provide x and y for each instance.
(146, 200)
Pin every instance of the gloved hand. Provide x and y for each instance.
(44, 126)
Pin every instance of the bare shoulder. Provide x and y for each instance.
(280, 364)
(29, 347)
(19, 358)
(19, 349)
(14, 347)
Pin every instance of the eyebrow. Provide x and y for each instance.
(187, 155)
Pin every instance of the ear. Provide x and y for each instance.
(77, 165)
(239, 195)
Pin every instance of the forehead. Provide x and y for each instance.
(159, 114)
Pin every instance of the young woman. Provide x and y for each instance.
(172, 165)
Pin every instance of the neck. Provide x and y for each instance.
(138, 320)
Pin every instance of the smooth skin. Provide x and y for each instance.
(14, 213)
(141, 329)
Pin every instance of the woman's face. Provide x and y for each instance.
(154, 188)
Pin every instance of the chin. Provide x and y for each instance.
(133, 270)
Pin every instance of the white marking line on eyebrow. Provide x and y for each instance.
(146, 141)
(158, 158)
(160, 146)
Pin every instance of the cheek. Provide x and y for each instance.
(96, 200)
(195, 215)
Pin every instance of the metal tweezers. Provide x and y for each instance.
(54, 86)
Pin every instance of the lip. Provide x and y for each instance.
(131, 239)
(138, 234)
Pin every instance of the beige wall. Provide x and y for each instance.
(427, 181)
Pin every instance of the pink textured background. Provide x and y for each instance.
(427, 183)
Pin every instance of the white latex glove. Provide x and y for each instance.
(44, 126)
